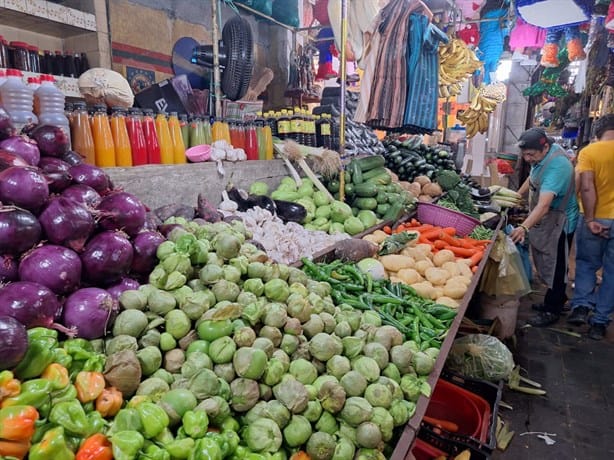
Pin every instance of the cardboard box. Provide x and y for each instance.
(241, 110)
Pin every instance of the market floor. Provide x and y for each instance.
(577, 410)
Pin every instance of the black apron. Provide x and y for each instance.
(544, 236)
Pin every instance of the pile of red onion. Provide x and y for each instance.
(70, 243)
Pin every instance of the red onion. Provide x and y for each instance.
(145, 245)
(13, 342)
(23, 146)
(89, 311)
(8, 269)
(90, 175)
(6, 127)
(121, 211)
(125, 284)
(72, 158)
(31, 304)
(19, 230)
(24, 187)
(8, 159)
(56, 172)
(83, 194)
(67, 223)
(106, 258)
(51, 140)
(55, 267)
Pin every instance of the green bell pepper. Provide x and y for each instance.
(97, 422)
(164, 437)
(66, 394)
(52, 446)
(127, 420)
(232, 439)
(229, 424)
(243, 453)
(61, 356)
(180, 449)
(154, 452)
(206, 449)
(33, 393)
(195, 423)
(84, 357)
(153, 418)
(71, 416)
(127, 444)
(41, 343)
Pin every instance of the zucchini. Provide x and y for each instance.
(347, 176)
(394, 212)
(333, 186)
(366, 203)
(382, 209)
(370, 162)
(365, 190)
(382, 179)
(374, 172)
(356, 172)
(349, 188)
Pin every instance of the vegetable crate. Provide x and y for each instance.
(486, 397)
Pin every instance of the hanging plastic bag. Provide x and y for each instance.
(504, 273)
(480, 356)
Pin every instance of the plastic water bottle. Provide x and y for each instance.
(50, 103)
(18, 99)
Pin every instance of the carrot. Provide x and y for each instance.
(433, 234)
(439, 244)
(387, 230)
(462, 252)
(474, 269)
(423, 228)
(449, 231)
(479, 242)
(449, 239)
(424, 240)
(475, 258)
(414, 222)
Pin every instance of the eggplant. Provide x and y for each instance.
(246, 201)
(264, 202)
(290, 212)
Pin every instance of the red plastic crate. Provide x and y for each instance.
(424, 451)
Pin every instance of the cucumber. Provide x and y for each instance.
(356, 172)
(365, 190)
(394, 212)
(382, 179)
(333, 186)
(349, 188)
(366, 203)
(370, 162)
(382, 197)
(374, 172)
(394, 197)
(382, 209)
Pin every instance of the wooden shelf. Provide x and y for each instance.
(69, 86)
(46, 18)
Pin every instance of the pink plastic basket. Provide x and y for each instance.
(429, 213)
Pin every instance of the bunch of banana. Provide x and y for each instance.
(485, 101)
(457, 62)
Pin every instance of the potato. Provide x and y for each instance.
(436, 276)
(443, 256)
(452, 268)
(425, 198)
(394, 279)
(460, 279)
(409, 276)
(414, 188)
(376, 237)
(423, 265)
(414, 253)
(437, 292)
(422, 180)
(432, 190)
(371, 239)
(425, 249)
(424, 289)
(447, 301)
(465, 270)
(396, 262)
(454, 290)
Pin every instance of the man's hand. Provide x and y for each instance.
(518, 235)
(598, 229)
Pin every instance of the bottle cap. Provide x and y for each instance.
(33, 48)
(19, 45)
(13, 73)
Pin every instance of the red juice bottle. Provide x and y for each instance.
(251, 142)
(151, 138)
(136, 135)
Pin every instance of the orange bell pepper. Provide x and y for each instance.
(9, 386)
(96, 447)
(17, 449)
(109, 402)
(58, 374)
(89, 385)
(17, 423)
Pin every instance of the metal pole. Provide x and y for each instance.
(343, 73)
(217, 91)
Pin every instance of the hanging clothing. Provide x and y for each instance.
(526, 36)
(369, 62)
(492, 35)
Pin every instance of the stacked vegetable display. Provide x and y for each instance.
(410, 158)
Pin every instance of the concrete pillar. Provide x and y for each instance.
(516, 106)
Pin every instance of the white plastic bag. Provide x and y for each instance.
(106, 86)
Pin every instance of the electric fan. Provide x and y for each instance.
(236, 56)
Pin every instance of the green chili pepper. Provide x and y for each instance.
(195, 423)
(71, 416)
(126, 444)
(153, 418)
(52, 446)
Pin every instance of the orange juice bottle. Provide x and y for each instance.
(123, 151)
(103, 139)
(177, 139)
(165, 140)
(221, 131)
(268, 142)
(81, 134)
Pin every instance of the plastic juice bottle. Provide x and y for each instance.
(151, 138)
(268, 142)
(81, 133)
(208, 138)
(225, 131)
(185, 130)
(283, 125)
(251, 142)
(260, 123)
(121, 140)
(49, 104)
(164, 139)
(216, 131)
(17, 99)
(103, 139)
(192, 132)
(174, 125)
(138, 145)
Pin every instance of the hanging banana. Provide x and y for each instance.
(485, 101)
(457, 62)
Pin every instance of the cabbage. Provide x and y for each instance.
(259, 188)
(372, 267)
(368, 218)
(353, 226)
(340, 211)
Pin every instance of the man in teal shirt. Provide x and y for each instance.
(552, 219)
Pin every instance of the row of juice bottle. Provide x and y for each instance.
(301, 126)
(127, 138)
